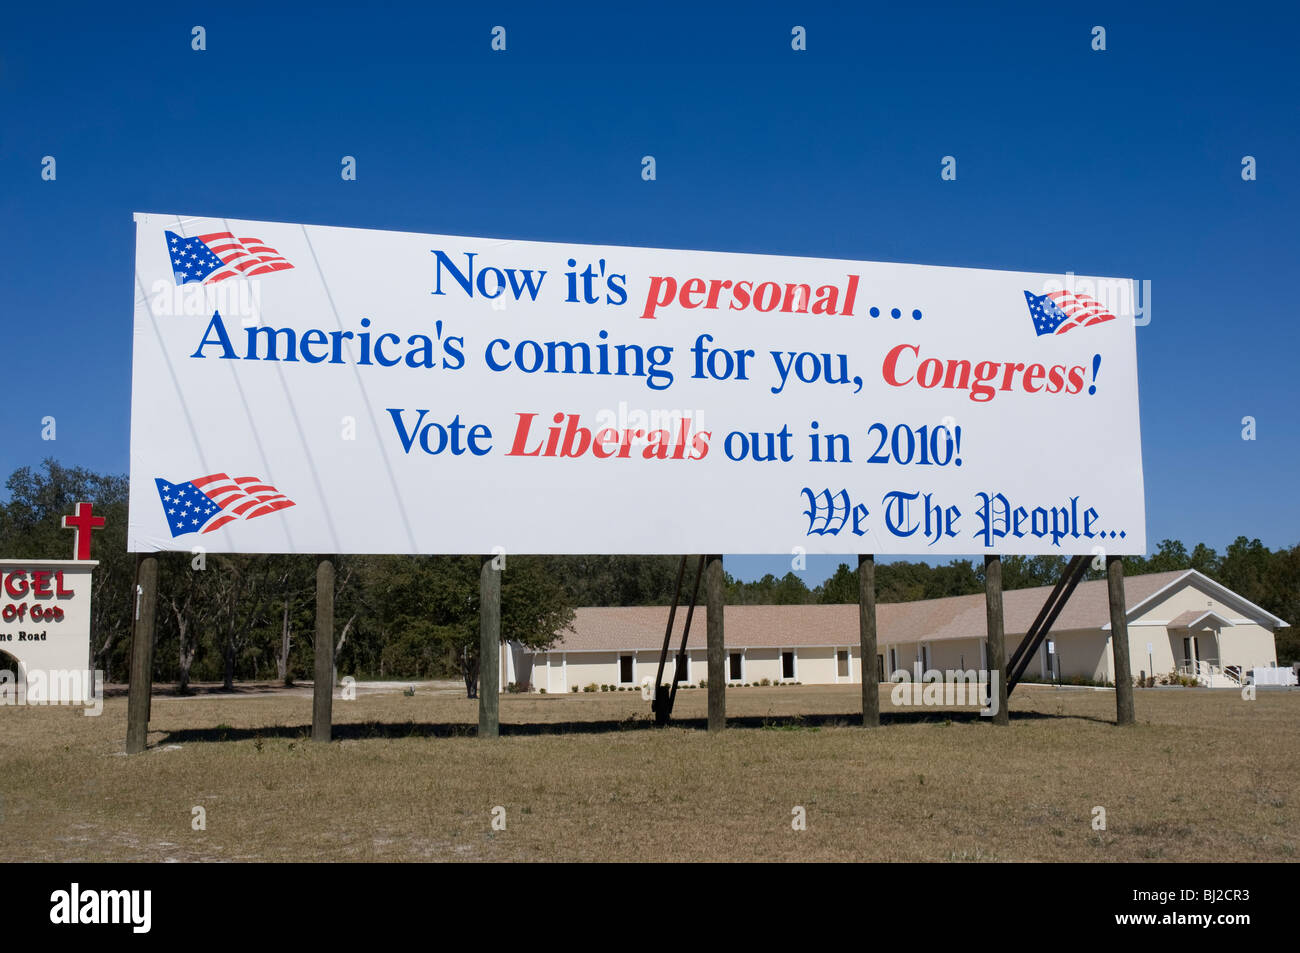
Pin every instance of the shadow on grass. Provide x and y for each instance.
(122, 690)
(354, 731)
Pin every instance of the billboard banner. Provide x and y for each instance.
(309, 389)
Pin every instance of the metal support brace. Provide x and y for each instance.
(1061, 592)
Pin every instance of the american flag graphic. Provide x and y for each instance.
(1059, 311)
(220, 255)
(210, 502)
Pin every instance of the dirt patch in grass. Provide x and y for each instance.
(1203, 776)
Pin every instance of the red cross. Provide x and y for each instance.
(84, 523)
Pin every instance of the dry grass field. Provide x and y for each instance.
(1204, 776)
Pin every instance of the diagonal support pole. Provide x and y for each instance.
(672, 614)
(1042, 613)
(660, 704)
(686, 634)
(1061, 592)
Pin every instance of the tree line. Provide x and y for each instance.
(227, 618)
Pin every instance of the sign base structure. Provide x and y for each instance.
(45, 631)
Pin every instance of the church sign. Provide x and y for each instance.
(45, 623)
(45, 628)
(309, 389)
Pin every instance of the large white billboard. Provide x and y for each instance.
(309, 389)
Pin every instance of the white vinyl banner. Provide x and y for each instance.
(307, 389)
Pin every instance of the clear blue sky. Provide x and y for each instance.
(1125, 162)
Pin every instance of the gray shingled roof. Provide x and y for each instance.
(956, 617)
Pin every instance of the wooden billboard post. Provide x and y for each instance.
(1124, 714)
(715, 600)
(867, 640)
(322, 708)
(997, 641)
(137, 704)
(489, 649)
